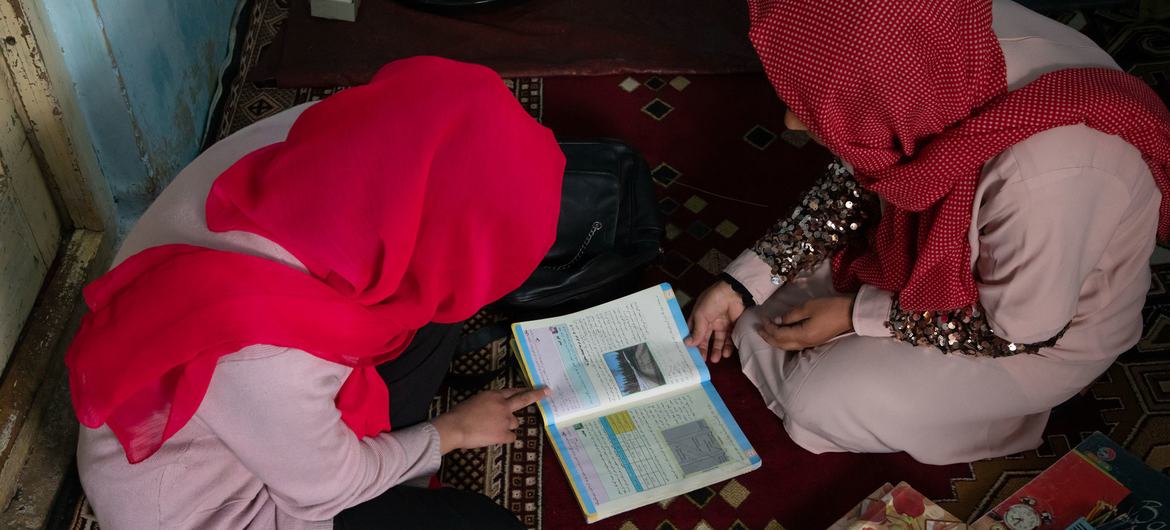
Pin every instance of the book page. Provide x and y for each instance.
(652, 451)
(623, 351)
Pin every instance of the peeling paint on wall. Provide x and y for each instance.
(145, 72)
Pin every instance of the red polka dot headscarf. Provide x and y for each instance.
(913, 94)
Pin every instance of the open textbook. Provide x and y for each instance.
(633, 416)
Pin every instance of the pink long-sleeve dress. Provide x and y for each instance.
(267, 447)
(1061, 235)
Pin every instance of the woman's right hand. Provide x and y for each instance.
(712, 320)
(487, 418)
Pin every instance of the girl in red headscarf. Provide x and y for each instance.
(979, 252)
(265, 350)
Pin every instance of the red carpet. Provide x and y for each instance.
(703, 140)
(702, 137)
(517, 38)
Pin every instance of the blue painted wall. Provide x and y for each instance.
(145, 73)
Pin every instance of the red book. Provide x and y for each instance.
(1072, 488)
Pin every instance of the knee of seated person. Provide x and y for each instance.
(828, 425)
(837, 397)
(810, 414)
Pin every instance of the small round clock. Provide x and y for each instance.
(1025, 516)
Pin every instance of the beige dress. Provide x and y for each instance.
(1063, 228)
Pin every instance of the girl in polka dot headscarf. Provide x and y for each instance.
(1016, 178)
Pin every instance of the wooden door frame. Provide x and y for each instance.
(37, 427)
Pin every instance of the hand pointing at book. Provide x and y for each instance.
(488, 418)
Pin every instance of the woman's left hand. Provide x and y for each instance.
(811, 324)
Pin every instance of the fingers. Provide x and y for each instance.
(509, 435)
(509, 392)
(795, 315)
(728, 348)
(690, 341)
(789, 337)
(524, 398)
(700, 336)
(718, 343)
(772, 334)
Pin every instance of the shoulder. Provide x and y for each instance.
(272, 379)
(178, 214)
(271, 363)
(1069, 155)
(1063, 176)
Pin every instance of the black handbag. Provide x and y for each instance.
(608, 232)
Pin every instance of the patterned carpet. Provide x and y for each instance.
(711, 151)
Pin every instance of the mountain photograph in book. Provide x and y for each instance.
(634, 369)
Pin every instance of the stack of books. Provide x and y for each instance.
(1096, 486)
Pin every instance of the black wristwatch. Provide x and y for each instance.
(744, 293)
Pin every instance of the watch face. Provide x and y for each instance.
(1021, 517)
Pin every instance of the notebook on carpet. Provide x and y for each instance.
(633, 416)
(898, 507)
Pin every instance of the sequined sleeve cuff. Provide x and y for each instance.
(963, 331)
(831, 213)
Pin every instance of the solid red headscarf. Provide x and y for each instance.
(419, 197)
(913, 94)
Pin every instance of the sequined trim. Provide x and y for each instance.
(962, 331)
(836, 211)
(833, 212)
